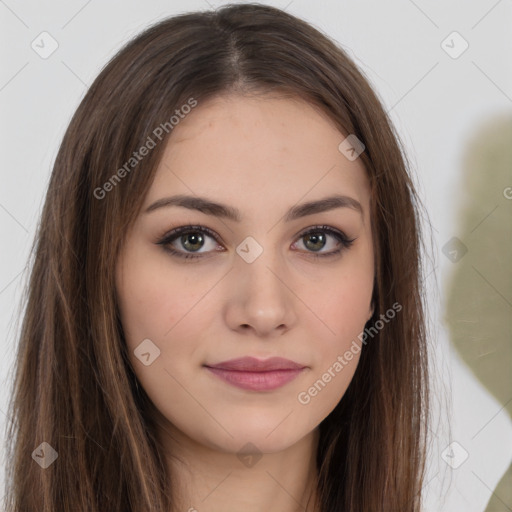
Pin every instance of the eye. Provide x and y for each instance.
(188, 241)
(188, 238)
(315, 239)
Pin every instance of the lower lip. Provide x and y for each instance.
(256, 381)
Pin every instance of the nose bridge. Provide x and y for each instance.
(261, 298)
(257, 266)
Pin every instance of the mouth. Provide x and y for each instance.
(257, 375)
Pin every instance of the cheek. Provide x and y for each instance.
(344, 308)
(348, 310)
(345, 304)
(163, 306)
(155, 299)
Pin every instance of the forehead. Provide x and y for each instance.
(239, 148)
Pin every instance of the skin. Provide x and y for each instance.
(261, 155)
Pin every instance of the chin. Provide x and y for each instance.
(266, 438)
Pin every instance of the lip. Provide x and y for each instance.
(255, 374)
(252, 364)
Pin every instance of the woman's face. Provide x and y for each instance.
(254, 284)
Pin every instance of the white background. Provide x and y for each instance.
(437, 103)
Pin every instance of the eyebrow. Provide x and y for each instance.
(210, 207)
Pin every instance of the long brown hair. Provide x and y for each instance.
(74, 387)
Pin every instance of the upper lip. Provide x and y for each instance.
(251, 364)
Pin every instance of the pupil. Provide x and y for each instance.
(195, 240)
(315, 238)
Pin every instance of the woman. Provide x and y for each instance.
(225, 308)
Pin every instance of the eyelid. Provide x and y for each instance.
(187, 228)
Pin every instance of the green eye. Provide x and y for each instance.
(316, 239)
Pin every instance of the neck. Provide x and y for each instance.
(206, 479)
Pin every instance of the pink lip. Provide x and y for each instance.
(256, 375)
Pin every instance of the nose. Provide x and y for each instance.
(261, 301)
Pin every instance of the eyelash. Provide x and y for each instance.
(169, 237)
